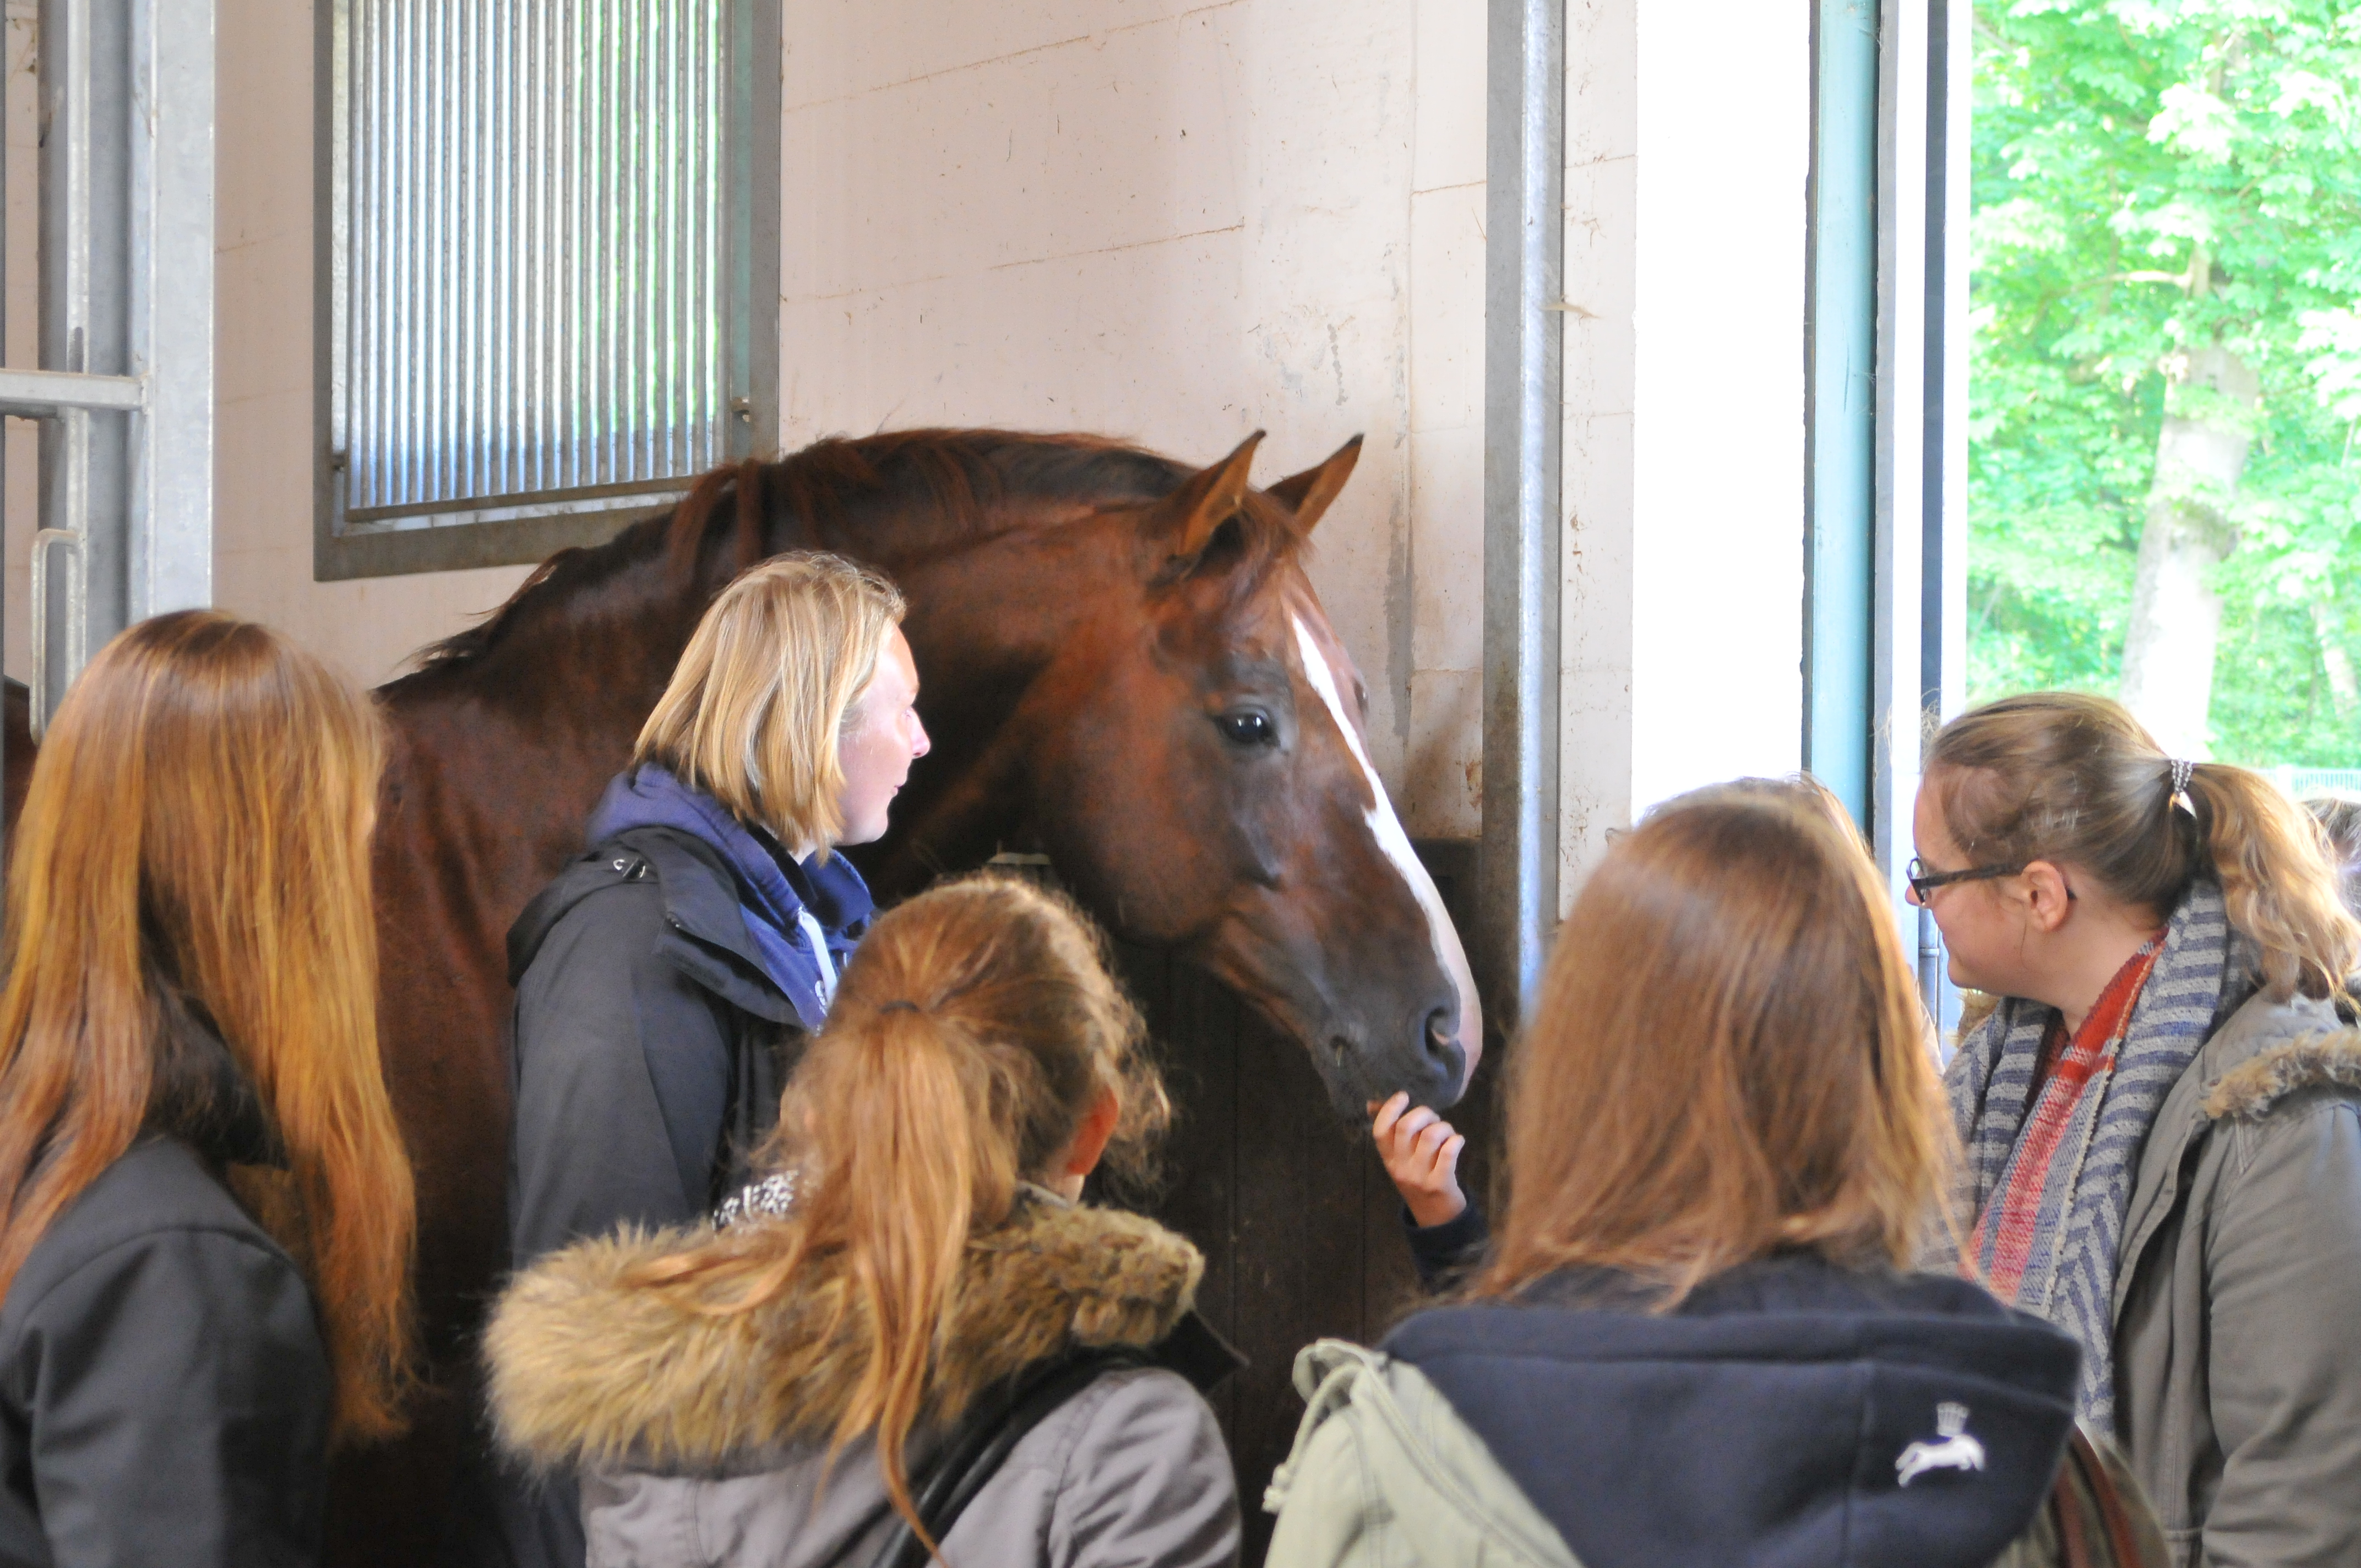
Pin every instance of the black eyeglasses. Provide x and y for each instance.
(1924, 881)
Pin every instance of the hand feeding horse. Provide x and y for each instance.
(1125, 666)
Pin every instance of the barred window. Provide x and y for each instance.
(551, 268)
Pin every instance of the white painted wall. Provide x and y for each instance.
(1687, 147)
(1179, 223)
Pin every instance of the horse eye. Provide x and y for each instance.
(1247, 729)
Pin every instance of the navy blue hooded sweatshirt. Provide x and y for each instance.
(1767, 1422)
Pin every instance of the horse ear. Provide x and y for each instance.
(1309, 492)
(1212, 497)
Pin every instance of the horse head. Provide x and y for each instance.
(1190, 739)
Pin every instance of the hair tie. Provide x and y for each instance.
(2182, 772)
(899, 1007)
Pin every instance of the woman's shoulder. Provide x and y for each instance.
(604, 907)
(156, 1189)
(2270, 1057)
(158, 1237)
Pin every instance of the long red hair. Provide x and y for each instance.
(198, 823)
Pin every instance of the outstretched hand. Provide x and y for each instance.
(1421, 1152)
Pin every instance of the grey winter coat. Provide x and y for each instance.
(2237, 1297)
(702, 1438)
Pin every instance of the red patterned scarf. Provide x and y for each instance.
(2070, 1068)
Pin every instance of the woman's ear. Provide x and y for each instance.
(1090, 1138)
(2047, 897)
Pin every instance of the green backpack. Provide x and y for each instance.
(1385, 1473)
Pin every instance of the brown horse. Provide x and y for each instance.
(1124, 667)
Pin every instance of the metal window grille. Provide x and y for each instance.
(543, 258)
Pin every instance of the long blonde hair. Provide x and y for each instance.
(976, 1025)
(2067, 776)
(762, 695)
(197, 827)
(1728, 1057)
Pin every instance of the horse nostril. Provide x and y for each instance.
(1339, 1048)
(1440, 1036)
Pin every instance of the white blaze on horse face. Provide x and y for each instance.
(1395, 843)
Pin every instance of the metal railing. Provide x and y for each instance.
(127, 326)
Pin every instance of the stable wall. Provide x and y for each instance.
(1169, 223)
(1178, 224)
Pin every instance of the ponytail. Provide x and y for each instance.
(2278, 881)
(975, 1028)
(2067, 776)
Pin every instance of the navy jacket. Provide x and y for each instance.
(1789, 1414)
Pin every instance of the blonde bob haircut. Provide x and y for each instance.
(1728, 1058)
(763, 696)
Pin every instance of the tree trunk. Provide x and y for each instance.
(2208, 422)
(2343, 692)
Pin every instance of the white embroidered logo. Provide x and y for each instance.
(1957, 1450)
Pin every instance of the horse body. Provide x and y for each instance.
(1123, 667)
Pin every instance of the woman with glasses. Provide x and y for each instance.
(2162, 1118)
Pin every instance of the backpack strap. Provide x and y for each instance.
(2100, 1517)
(984, 1439)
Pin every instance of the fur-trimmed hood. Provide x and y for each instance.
(590, 1371)
(2249, 1091)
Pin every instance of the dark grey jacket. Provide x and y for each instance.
(2237, 1298)
(651, 1050)
(164, 1392)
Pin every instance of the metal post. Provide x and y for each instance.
(1517, 881)
(1896, 644)
(1841, 434)
(170, 277)
(1944, 573)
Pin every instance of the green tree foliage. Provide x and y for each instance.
(2151, 175)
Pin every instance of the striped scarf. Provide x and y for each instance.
(2085, 1183)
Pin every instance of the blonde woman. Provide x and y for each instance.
(205, 1212)
(2163, 1115)
(785, 1391)
(1697, 1341)
(666, 982)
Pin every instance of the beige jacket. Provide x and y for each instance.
(702, 1438)
(2238, 1298)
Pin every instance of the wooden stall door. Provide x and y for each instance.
(1301, 1229)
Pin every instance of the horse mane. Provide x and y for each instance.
(966, 478)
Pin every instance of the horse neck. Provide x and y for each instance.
(559, 699)
(985, 622)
